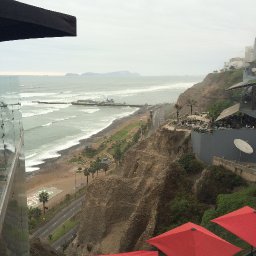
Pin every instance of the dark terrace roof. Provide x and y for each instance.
(234, 110)
(22, 21)
(243, 84)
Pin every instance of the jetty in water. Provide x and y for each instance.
(108, 103)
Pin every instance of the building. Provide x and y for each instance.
(234, 63)
(19, 21)
(235, 122)
(249, 54)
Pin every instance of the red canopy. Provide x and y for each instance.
(191, 239)
(137, 253)
(241, 222)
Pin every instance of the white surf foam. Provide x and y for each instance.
(90, 110)
(130, 92)
(38, 94)
(48, 124)
(44, 110)
(51, 151)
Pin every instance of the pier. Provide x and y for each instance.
(98, 104)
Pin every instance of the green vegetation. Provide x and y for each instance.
(43, 198)
(218, 192)
(35, 223)
(178, 108)
(191, 103)
(125, 139)
(95, 166)
(184, 208)
(227, 203)
(91, 152)
(62, 230)
(190, 164)
(34, 215)
(216, 108)
(217, 180)
(124, 133)
(227, 79)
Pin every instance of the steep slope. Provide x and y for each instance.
(211, 90)
(121, 210)
(38, 248)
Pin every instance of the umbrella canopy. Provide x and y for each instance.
(241, 222)
(191, 239)
(137, 253)
(22, 21)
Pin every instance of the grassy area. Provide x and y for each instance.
(62, 230)
(54, 210)
(125, 132)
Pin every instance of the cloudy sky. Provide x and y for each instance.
(152, 37)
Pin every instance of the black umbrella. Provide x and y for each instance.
(22, 21)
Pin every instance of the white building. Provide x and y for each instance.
(249, 54)
(234, 63)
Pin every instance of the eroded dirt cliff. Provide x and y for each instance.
(121, 210)
(212, 89)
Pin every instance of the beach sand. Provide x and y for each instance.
(59, 175)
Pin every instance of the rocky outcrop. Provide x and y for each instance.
(121, 210)
(210, 90)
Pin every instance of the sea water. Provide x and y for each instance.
(50, 128)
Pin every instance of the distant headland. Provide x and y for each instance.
(109, 74)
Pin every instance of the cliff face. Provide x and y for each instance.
(38, 248)
(210, 90)
(121, 210)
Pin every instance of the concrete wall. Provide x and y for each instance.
(220, 143)
(243, 171)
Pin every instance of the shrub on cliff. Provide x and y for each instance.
(227, 203)
(217, 180)
(217, 107)
(184, 208)
(190, 163)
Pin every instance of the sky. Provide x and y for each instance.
(151, 37)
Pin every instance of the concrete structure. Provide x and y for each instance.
(220, 143)
(244, 170)
(249, 54)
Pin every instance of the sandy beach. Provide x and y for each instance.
(59, 177)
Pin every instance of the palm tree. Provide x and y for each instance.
(105, 167)
(43, 198)
(117, 155)
(86, 173)
(178, 107)
(80, 170)
(191, 103)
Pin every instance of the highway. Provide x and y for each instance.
(58, 245)
(158, 119)
(65, 214)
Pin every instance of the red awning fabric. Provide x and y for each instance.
(194, 240)
(137, 253)
(241, 222)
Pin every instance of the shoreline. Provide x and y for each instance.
(84, 142)
(60, 174)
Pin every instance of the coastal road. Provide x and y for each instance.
(58, 245)
(158, 118)
(72, 209)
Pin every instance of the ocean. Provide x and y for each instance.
(52, 128)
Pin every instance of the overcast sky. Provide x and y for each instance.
(151, 37)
